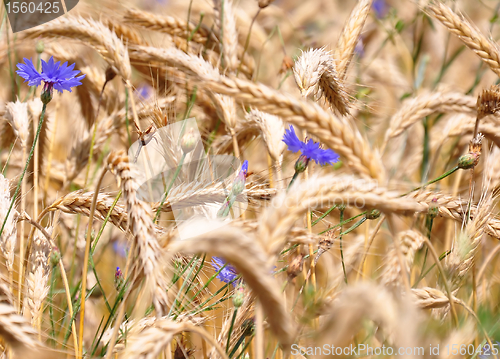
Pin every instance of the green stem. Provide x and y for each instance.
(50, 300)
(354, 226)
(242, 338)
(453, 170)
(344, 222)
(441, 257)
(195, 30)
(325, 214)
(233, 319)
(158, 211)
(341, 250)
(430, 221)
(295, 175)
(40, 123)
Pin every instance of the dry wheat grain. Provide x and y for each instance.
(316, 75)
(409, 243)
(350, 35)
(9, 234)
(141, 225)
(17, 116)
(457, 24)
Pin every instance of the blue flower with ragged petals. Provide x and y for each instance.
(54, 75)
(228, 273)
(310, 149)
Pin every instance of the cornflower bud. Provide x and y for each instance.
(39, 47)
(46, 96)
(301, 164)
(373, 214)
(239, 182)
(188, 142)
(471, 159)
(433, 209)
(239, 295)
(55, 256)
(119, 279)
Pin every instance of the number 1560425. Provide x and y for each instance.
(31, 7)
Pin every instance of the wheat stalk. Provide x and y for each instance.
(252, 263)
(167, 24)
(415, 109)
(9, 234)
(226, 23)
(37, 278)
(340, 137)
(409, 243)
(141, 226)
(350, 35)
(272, 130)
(316, 75)
(151, 341)
(486, 49)
(17, 116)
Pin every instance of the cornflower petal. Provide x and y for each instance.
(310, 149)
(227, 274)
(292, 141)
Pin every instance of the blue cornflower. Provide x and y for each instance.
(144, 92)
(310, 150)
(54, 75)
(226, 275)
(380, 7)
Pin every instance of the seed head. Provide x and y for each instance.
(373, 214)
(110, 73)
(488, 102)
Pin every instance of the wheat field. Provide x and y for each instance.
(251, 179)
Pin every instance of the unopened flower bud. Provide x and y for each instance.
(188, 142)
(433, 209)
(239, 182)
(110, 73)
(39, 47)
(239, 295)
(470, 160)
(46, 96)
(224, 209)
(55, 256)
(301, 164)
(119, 279)
(373, 214)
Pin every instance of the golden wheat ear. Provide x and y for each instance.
(488, 102)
